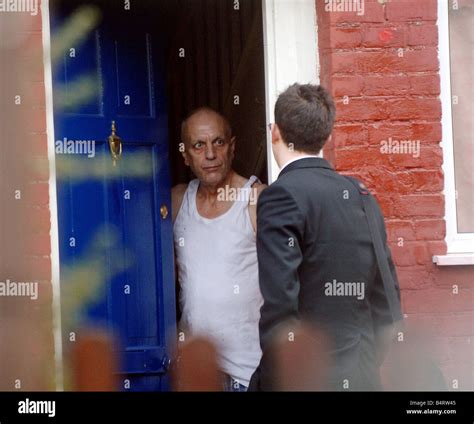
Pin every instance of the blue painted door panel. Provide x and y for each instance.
(110, 226)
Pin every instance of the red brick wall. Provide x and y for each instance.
(25, 324)
(383, 70)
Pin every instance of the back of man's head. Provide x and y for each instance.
(305, 117)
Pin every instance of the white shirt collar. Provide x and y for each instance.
(298, 158)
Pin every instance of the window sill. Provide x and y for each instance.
(453, 259)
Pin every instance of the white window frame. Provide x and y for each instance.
(460, 245)
(291, 54)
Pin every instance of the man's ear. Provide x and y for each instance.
(276, 136)
(232, 144)
(185, 154)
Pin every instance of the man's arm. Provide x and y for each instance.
(257, 189)
(280, 227)
(177, 195)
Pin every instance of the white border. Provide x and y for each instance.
(291, 54)
(456, 242)
(53, 207)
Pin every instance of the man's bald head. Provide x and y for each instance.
(201, 114)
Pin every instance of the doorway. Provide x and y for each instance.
(124, 76)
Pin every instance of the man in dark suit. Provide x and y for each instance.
(316, 260)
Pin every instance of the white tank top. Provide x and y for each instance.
(218, 274)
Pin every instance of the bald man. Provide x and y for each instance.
(215, 245)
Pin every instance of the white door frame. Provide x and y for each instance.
(291, 54)
(53, 207)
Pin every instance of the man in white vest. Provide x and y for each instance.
(215, 246)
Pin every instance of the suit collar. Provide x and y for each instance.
(306, 163)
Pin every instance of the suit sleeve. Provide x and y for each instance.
(280, 227)
(381, 316)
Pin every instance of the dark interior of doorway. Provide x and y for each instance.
(215, 57)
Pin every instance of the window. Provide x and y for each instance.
(455, 23)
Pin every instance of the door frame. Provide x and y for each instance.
(53, 205)
(286, 28)
(289, 26)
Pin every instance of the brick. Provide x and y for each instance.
(34, 94)
(28, 69)
(410, 109)
(430, 229)
(34, 121)
(37, 144)
(380, 131)
(408, 10)
(358, 109)
(343, 38)
(437, 247)
(429, 157)
(37, 194)
(386, 61)
(388, 182)
(421, 205)
(399, 228)
(424, 84)
(393, 36)
(349, 135)
(410, 253)
(39, 220)
(359, 158)
(347, 85)
(427, 181)
(37, 168)
(373, 12)
(22, 22)
(37, 269)
(426, 132)
(32, 46)
(386, 85)
(422, 35)
(414, 277)
(38, 245)
(386, 203)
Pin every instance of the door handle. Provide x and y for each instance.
(115, 145)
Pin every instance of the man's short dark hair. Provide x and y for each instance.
(305, 116)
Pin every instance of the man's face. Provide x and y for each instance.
(209, 150)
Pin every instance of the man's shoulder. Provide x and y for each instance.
(177, 195)
(179, 189)
(258, 187)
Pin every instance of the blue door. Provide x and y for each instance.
(113, 184)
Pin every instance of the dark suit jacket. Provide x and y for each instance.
(311, 230)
